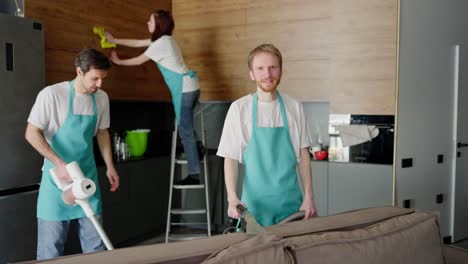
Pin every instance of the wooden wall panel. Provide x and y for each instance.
(68, 28)
(336, 50)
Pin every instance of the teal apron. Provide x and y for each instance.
(72, 142)
(271, 190)
(175, 81)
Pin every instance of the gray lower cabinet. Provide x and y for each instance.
(138, 208)
(18, 229)
(357, 185)
(320, 186)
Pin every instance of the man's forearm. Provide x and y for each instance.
(306, 174)
(230, 175)
(104, 143)
(36, 138)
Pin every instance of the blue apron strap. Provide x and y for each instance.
(72, 95)
(283, 111)
(254, 115)
(94, 104)
(70, 98)
(192, 74)
(254, 110)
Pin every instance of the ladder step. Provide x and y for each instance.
(196, 186)
(180, 161)
(183, 161)
(186, 237)
(187, 229)
(188, 211)
(187, 223)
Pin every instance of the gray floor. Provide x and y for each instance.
(462, 244)
(162, 237)
(155, 240)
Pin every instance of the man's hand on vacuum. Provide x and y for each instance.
(113, 178)
(308, 206)
(61, 171)
(232, 208)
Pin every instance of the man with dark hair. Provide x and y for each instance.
(61, 126)
(267, 132)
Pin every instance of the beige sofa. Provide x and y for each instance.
(373, 235)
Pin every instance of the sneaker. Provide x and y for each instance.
(180, 155)
(189, 180)
(201, 150)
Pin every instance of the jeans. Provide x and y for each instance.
(51, 237)
(189, 101)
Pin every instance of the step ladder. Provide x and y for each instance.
(172, 212)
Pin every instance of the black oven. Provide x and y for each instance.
(379, 150)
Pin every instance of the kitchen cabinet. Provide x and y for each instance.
(358, 185)
(138, 208)
(320, 186)
(18, 230)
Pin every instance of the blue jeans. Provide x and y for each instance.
(51, 237)
(189, 101)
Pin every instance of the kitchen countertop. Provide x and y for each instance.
(350, 162)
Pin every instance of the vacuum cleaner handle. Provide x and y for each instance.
(241, 209)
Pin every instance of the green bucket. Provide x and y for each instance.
(137, 141)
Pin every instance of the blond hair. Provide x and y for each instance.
(266, 48)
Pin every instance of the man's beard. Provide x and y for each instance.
(270, 88)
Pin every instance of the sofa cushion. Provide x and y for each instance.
(373, 235)
(185, 252)
(412, 238)
(342, 221)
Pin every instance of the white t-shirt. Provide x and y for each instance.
(238, 125)
(166, 52)
(51, 108)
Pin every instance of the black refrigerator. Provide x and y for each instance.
(22, 76)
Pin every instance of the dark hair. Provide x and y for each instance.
(265, 48)
(164, 24)
(89, 59)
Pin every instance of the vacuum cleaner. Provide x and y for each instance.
(248, 224)
(76, 192)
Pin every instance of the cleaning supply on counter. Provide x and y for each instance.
(124, 153)
(137, 141)
(77, 191)
(116, 146)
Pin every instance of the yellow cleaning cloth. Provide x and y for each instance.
(104, 44)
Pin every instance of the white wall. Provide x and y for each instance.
(428, 31)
